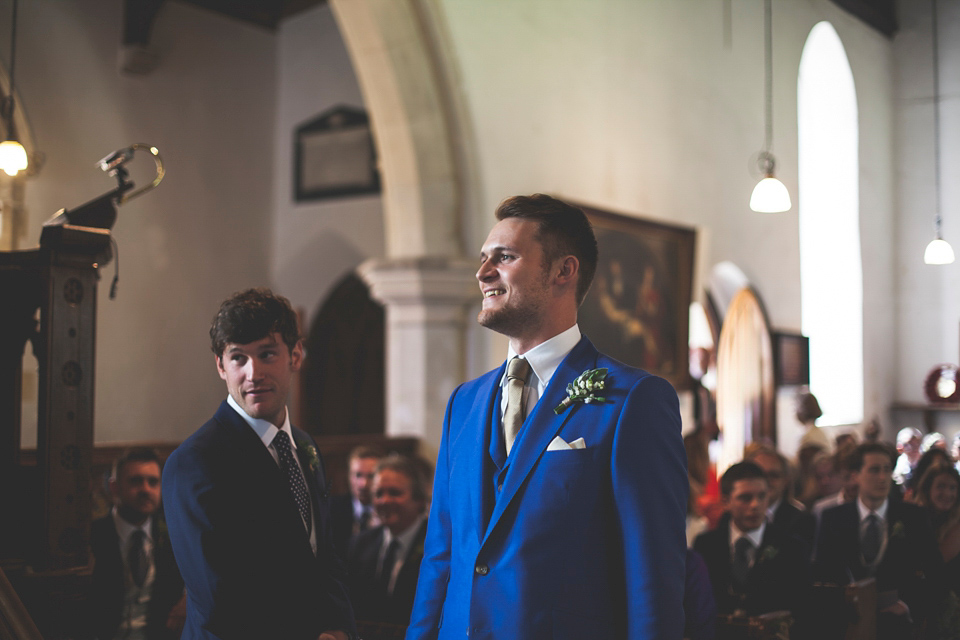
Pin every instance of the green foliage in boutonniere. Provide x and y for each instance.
(584, 389)
(898, 530)
(768, 553)
(160, 534)
(313, 460)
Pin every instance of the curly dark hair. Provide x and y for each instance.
(248, 316)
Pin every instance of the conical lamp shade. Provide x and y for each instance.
(770, 196)
(938, 251)
(13, 157)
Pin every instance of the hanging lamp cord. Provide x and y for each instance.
(936, 113)
(13, 66)
(768, 75)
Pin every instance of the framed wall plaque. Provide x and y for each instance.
(335, 156)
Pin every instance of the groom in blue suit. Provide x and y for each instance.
(553, 519)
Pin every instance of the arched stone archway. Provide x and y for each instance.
(423, 281)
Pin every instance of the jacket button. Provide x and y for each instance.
(482, 570)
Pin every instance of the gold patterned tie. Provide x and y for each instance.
(518, 370)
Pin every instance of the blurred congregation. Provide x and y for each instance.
(349, 155)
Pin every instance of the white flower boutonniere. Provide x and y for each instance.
(584, 389)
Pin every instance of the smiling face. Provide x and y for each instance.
(514, 280)
(258, 376)
(394, 502)
(943, 492)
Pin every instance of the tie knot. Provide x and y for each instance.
(743, 545)
(137, 537)
(518, 369)
(281, 441)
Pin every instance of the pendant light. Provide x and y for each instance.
(13, 157)
(939, 250)
(769, 196)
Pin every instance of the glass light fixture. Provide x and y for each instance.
(770, 195)
(13, 157)
(939, 250)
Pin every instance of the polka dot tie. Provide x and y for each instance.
(288, 463)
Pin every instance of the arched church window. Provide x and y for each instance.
(831, 273)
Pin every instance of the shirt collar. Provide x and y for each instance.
(865, 511)
(546, 357)
(772, 509)
(264, 429)
(404, 539)
(125, 529)
(755, 536)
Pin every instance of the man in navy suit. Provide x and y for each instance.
(756, 565)
(889, 540)
(247, 503)
(553, 519)
(384, 562)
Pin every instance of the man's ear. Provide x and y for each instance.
(220, 369)
(569, 270)
(296, 356)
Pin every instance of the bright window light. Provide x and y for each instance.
(831, 272)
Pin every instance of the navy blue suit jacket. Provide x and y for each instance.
(582, 543)
(240, 542)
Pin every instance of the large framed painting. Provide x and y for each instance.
(639, 305)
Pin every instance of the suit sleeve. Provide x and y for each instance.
(650, 489)
(189, 507)
(435, 567)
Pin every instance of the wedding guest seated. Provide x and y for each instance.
(939, 495)
(888, 540)
(782, 510)
(352, 514)
(137, 590)
(755, 566)
(846, 461)
(384, 562)
(908, 453)
(931, 458)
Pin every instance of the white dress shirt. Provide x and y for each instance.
(404, 542)
(133, 619)
(544, 359)
(266, 431)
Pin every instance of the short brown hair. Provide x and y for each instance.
(563, 230)
(251, 315)
(409, 468)
(134, 454)
(737, 472)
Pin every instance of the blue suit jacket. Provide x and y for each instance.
(585, 543)
(240, 541)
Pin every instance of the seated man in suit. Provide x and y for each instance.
(137, 589)
(889, 540)
(755, 566)
(384, 562)
(782, 510)
(353, 514)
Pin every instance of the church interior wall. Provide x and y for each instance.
(647, 109)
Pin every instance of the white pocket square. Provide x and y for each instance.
(559, 444)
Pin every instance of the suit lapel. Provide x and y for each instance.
(542, 425)
(473, 441)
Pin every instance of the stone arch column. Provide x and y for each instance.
(423, 281)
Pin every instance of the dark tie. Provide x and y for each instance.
(870, 545)
(518, 370)
(137, 557)
(364, 523)
(386, 568)
(741, 561)
(288, 462)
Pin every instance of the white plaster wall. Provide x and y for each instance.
(201, 235)
(315, 243)
(928, 306)
(655, 109)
